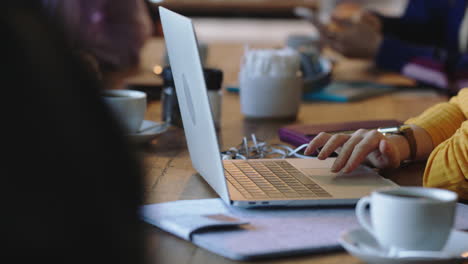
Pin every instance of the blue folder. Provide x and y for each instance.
(348, 91)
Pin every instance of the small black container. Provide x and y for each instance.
(170, 105)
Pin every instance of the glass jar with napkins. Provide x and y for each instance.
(270, 83)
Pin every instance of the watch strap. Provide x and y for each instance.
(408, 133)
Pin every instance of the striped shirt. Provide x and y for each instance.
(447, 124)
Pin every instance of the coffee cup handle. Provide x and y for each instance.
(361, 215)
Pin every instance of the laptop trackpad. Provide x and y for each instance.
(358, 183)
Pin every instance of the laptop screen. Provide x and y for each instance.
(184, 59)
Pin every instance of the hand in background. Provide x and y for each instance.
(355, 13)
(353, 31)
(353, 40)
(361, 146)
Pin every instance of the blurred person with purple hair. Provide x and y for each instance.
(107, 34)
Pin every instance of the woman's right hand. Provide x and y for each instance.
(360, 147)
(353, 31)
(355, 13)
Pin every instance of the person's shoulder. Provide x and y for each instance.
(462, 96)
(461, 100)
(464, 91)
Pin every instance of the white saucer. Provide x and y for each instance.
(361, 244)
(148, 131)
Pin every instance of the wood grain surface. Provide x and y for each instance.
(169, 173)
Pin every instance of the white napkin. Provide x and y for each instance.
(271, 62)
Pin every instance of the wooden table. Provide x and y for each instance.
(169, 172)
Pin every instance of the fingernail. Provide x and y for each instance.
(334, 169)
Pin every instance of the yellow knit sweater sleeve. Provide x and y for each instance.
(446, 123)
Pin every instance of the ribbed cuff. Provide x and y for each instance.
(440, 121)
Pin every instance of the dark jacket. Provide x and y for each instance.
(426, 36)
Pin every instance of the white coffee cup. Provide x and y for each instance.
(270, 96)
(129, 106)
(409, 218)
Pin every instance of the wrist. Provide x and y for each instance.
(402, 145)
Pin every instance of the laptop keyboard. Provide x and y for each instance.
(262, 179)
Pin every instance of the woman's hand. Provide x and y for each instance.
(353, 39)
(353, 12)
(353, 31)
(361, 146)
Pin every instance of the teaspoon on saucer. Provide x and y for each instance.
(424, 254)
(158, 125)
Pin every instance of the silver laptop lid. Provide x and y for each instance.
(187, 71)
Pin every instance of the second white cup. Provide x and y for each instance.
(129, 106)
(409, 218)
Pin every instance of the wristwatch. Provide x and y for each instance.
(405, 131)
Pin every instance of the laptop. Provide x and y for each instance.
(257, 182)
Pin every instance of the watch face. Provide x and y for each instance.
(388, 130)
